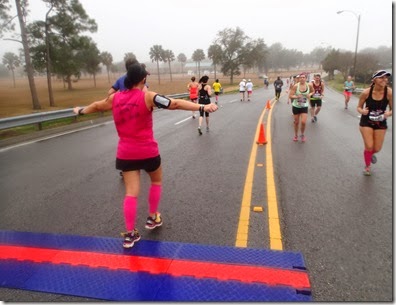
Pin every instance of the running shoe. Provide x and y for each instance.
(303, 138)
(315, 118)
(199, 131)
(152, 223)
(130, 238)
(295, 139)
(373, 159)
(193, 116)
(207, 129)
(367, 171)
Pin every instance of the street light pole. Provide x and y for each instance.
(357, 37)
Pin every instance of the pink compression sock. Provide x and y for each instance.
(154, 197)
(367, 157)
(130, 209)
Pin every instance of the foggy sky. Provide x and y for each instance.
(184, 26)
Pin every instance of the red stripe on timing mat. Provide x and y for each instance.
(219, 271)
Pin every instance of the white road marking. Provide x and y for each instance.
(186, 119)
(53, 136)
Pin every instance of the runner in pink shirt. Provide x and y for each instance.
(137, 149)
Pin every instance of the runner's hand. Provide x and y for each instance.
(210, 108)
(365, 111)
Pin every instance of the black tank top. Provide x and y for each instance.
(203, 95)
(376, 109)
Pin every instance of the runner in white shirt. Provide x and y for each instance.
(249, 88)
(242, 89)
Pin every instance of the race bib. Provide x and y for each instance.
(376, 116)
(301, 101)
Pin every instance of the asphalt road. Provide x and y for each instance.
(340, 220)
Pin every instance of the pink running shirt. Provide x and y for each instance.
(134, 124)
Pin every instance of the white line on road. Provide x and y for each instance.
(53, 136)
(220, 106)
(183, 121)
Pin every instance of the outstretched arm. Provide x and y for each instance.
(103, 105)
(154, 99)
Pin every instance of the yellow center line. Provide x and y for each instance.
(273, 216)
(243, 225)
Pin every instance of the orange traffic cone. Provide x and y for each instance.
(268, 104)
(261, 140)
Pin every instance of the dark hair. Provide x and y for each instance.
(136, 73)
(217, 80)
(204, 79)
(193, 78)
(129, 62)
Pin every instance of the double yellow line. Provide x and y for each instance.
(273, 215)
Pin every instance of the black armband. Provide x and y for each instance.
(161, 101)
(80, 111)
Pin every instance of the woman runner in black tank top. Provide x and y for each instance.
(372, 106)
(204, 94)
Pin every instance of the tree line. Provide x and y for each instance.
(57, 46)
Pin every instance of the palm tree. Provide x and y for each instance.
(107, 59)
(198, 56)
(156, 53)
(181, 58)
(129, 55)
(168, 56)
(215, 54)
(11, 61)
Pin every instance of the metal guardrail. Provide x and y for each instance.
(358, 90)
(35, 118)
(40, 117)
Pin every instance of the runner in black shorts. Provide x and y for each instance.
(372, 106)
(317, 96)
(204, 93)
(137, 148)
(300, 94)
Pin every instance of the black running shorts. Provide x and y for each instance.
(298, 110)
(149, 165)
